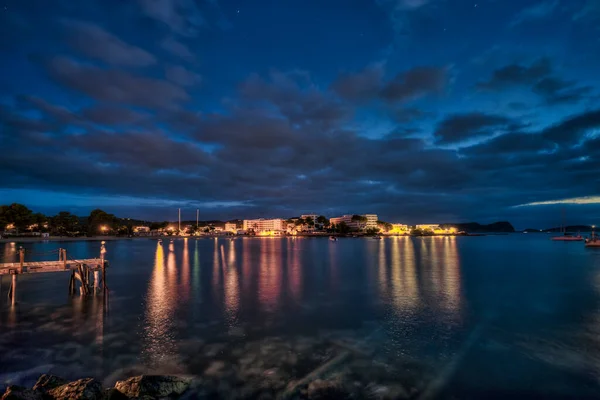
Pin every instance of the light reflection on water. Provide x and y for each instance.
(417, 297)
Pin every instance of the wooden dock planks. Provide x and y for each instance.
(49, 266)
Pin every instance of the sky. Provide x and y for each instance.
(422, 111)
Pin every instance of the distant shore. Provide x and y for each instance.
(67, 239)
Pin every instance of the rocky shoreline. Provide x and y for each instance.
(272, 368)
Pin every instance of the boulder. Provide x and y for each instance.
(47, 382)
(20, 393)
(83, 389)
(114, 394)
(327, 389)
(153, 386)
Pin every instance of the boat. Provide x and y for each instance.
(594, 241)
(377, 237)
(566, 237)
(159, 241)
(333, 238)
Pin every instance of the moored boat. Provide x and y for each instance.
(333, 238)
(568, 238)
(593, 241)
(377, 237)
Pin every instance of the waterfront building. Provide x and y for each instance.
(141, 229)
(311, 216)
(371, 221)
(399, 229)
(231, 227)
(428, 227)
(265, 225)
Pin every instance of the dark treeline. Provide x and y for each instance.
(17, 219)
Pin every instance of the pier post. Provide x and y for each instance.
(96, 281)
(21, 259)
(12, 292)
(64, 258)
(102, 253)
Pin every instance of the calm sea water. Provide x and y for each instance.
(497, 316)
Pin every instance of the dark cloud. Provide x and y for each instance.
(295, 96)
(112, 115)
(93, 41)
(177, 48)
(182, 76)
(363, 85)
(555, 90)
(516, 74)
(114, 85)
(408, 114)
(414, 83)
(539, 78)
(181, 16)
(574, 129)
(463, 127)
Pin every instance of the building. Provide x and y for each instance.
(141, 229)
(428, 227)
(311, 216)
(231, 227)
(371, 222)
(399, 229)
(265, 225)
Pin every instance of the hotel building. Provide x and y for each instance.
(265, 225)
(357, 225)
(231, 227)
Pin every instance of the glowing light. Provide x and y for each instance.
(103, 228)
(574, 200)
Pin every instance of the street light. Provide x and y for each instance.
(103, 228)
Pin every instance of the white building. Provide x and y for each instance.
(265, 225)
(231, 227)
(428, 227)
(356, 225)
(311, 216)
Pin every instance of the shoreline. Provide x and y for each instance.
(115, 238)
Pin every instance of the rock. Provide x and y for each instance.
(114, 394)
(21, 393)
(47, 382)
(83, 389)
(215, 369)
(153, 386)
(324, 389)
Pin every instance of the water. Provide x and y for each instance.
(470, 317)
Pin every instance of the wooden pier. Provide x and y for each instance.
(81, 271)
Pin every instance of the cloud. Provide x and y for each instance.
(363, 85)
(114, 85)
(182, 16)
(182, 76)
(590, 12)
(414, 83)
(538, 77)
(93, 41)
(459, 128)
(575, 200)
(573, 129)
(516, 74)
(177, 48)
(556, 90)
(535, 12)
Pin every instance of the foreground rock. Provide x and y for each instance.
(21, 393)
(153, 386)
(48, 382)
(83, 389)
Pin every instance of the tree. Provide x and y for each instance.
(64, 223)
(386, 226)
(16, 214)
(100, 222)
(322, 220)
(343, 228)
(372, 231)
(39, 220)
(159, 225)
(309, 221)
(299, 222)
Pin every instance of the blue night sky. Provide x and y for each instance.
(417, 110)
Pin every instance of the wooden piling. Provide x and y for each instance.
(21, 259)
